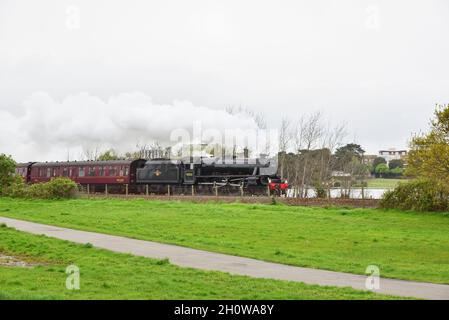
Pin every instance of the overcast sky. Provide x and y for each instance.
(108, 72)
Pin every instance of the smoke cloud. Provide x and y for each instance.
(46, 129)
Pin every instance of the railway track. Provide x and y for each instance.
(357, 203)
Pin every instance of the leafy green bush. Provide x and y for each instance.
(16, 188)
(38, 190)
(62, 188)
(419, 195)
(58, 188)
(7, 168)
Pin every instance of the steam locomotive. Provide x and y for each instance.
(256, 175)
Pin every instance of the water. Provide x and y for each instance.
(356, 193)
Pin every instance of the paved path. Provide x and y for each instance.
(199, 259)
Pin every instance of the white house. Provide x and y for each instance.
(392, 154)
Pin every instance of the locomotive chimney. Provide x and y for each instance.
(234, 157)
(223, 154)
(191, 153)
(245, 155)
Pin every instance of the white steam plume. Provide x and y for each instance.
(47, 129)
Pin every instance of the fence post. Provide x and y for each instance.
(268, 190)
(168, 189)
(88, 189)
(146, 190)
(126, 189)
(193, 190)
(106, 189)
(215, 189)
(241, 189)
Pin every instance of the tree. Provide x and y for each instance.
(284, 142)
(376, 162)
(429, 153)
(308, 133)
(350, 150)
(381, 170)
(346, 154)
(110, 154)
(396, 163)
(7, 170)
(396, 172)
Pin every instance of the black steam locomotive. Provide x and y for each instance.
(208, 171)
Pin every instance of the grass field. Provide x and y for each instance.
(404, 245)
(107, 275)
(384, 183)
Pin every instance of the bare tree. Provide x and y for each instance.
(311, 133)
(333, 138)
(285, 137)
(313, 142)
(91, 153)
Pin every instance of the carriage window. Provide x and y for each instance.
(48, 172)
(101, 171)
(121, 171)
(65, 172)
(81, 172)
(126, 171)
(91, 171)
(54, 172)
(112, 171)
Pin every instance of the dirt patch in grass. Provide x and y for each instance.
(11, 261)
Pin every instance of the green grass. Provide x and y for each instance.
(107, 275)
(385, 183)
(404, 245)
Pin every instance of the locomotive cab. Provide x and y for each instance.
(160, 171)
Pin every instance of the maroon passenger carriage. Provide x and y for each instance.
(96, 175)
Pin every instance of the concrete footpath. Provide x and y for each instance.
(186, 257)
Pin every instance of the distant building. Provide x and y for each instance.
(369, 158)
(340, 174)
(393, 154)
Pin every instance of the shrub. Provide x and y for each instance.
(16, 188)
(320, 192)
(62, 188)
(38, 190)
(7, 168)
(58, 188)
(419, 195)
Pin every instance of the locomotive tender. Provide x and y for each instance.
(246, 173)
